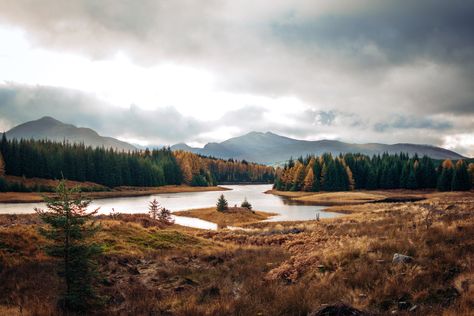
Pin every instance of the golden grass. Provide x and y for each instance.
(274, 269)
(234, 216)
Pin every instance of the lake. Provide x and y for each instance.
(287, 210)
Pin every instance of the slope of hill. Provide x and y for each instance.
(270, 148)
(52, 129)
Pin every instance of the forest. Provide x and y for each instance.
(157, 167)
(357, 171)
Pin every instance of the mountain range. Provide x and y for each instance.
(270, 148)
(267, 148)
(54, 130)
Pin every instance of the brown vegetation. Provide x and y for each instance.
(273, 269)
(233, 216)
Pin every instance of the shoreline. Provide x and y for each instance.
(37, 197)
(345, 198)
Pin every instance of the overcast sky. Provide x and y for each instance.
(162, 72)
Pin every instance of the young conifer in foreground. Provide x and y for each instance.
(70, 228)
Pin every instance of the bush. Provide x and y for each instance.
(222, 204)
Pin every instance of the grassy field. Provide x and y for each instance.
(234, 216)
(287, 268)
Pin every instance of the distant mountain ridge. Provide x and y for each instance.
(54, 130)
(270, 148)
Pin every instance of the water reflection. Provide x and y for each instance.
(287, 210)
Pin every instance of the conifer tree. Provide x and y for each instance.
(154, 208)
(2, 165)
(70, 228)
(309, 181)
(222, 204)
(446, 176)
(460, 181)
(246, 204)
(164, 216)
(470, 170)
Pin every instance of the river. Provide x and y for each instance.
(286, 210)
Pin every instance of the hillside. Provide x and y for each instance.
(270, 148)
(52, 129)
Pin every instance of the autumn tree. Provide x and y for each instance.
(446, 176)
(70, 228)
(222, 204)
(309, 180)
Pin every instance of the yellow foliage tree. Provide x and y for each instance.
(308, 180)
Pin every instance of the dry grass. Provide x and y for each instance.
(273, 269)
(234, 216)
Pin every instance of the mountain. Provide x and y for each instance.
(270, 148)
(52, 129)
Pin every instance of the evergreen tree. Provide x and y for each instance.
(70, 229)
(470, 169)
(446, 176)
(2, 165)
(460, 181)
(154, 208)
(222, 204)
(246, 204)
(164, 216)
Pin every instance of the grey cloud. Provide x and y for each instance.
(403, 122)
(20, 103)
(355, 63)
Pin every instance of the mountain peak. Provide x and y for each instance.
(52, 129)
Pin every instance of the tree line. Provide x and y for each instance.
(202, 171)
(357, 171)
(109, 167)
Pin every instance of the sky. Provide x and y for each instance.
(162, 72)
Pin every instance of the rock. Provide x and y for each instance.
(399, 258)
(338, 310)
(413, 308)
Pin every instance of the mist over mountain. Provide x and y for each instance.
(54, 130)
(270, 148)
(267, 148)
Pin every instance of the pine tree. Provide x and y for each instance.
(446, 176)
(460, 181)
(154, 208)
(2, 165)
(222, 204)
(164, 216)
(246, 204)
(70, 228)
(470, 169)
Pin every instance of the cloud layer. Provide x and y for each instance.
(364, 71)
